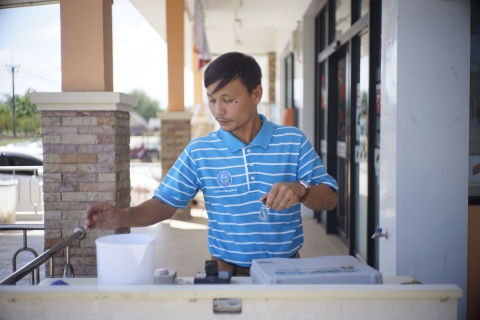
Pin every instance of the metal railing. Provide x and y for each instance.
(24, 227)
(78, 233)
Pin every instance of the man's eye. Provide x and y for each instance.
(211, 101)
(228, 101)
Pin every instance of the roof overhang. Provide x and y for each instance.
(5, 4)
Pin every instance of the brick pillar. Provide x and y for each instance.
(175, 136)
(86, 160)
(272, 66)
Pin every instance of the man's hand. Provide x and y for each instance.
(283, 195)
(104, 216)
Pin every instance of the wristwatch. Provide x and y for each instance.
(307, 187)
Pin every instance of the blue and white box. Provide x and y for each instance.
(321, 270)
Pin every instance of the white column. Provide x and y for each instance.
(306, 117)
(424, 140)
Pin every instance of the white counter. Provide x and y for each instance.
(84, 299)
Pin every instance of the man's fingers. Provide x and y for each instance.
(282, 196)
(94, 215)
(94, 209)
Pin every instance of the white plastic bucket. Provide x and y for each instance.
(8, 201)
(124, 259)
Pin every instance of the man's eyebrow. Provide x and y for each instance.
(222, 95)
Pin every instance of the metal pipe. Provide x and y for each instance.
(78, 233)
(68, 271)
(51, 268)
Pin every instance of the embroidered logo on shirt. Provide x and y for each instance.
(224, 178)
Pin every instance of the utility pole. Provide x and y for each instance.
(12, 68)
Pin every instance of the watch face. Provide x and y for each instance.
(303, 183)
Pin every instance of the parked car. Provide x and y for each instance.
(144, 177)
(30, 181)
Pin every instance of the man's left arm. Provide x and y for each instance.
(321, 197)
(283, 195)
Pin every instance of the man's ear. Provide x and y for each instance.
(257, 93)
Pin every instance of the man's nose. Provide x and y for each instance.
(218, 108)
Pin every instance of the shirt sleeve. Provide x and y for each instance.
(180, 184)
(310, 167)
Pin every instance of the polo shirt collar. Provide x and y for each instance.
(262, 139)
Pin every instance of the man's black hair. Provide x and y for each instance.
(230, 66)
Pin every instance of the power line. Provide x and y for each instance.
(37, 76)
(12, 68)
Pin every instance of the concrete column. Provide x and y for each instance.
(175, 51)
(86, 160)
(197, 84)
(86, 34)
(175, 123)
(424, 140)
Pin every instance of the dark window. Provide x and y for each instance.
(16, 160)
(22, 161)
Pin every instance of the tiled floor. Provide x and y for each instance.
(179, 245)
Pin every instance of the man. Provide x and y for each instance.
(247, 162)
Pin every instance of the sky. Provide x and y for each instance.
(30, 39)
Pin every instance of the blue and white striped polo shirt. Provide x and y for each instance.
(233, 177)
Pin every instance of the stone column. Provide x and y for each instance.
(175, 136)
(86, 160)
(272, 67)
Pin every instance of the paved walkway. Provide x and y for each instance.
(180, 245)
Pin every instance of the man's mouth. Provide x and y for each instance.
(222, 121)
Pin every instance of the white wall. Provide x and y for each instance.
(424, 140)
(306, 114)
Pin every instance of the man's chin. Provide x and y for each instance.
(225, 127)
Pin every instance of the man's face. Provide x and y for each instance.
(232, 106)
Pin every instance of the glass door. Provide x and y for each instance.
(320, 112)
(341, 137)
(360, 86)
(348, 117)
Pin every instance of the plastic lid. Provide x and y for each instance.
(163, 271)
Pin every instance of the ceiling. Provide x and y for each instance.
(262, 24)
(5, 4)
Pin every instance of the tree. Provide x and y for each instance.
(147, 107)
(24, 107)
(6, 117)
(28, 117)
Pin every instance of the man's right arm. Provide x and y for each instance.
(104, 216)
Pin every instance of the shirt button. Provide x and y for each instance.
(252, 178)
(248, 150)
(251, 164)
